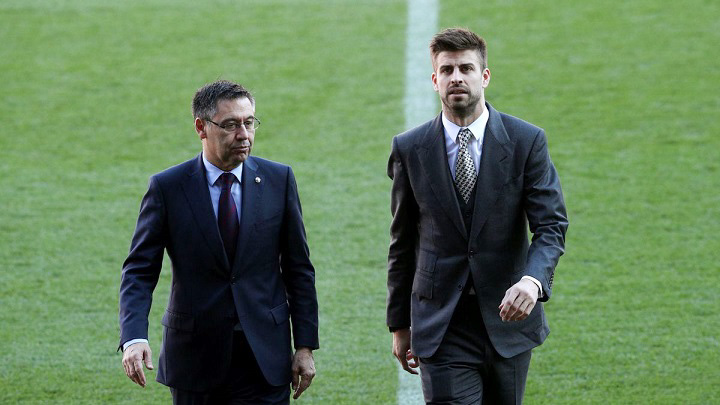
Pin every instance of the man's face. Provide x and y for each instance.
(225, 148)
(461, 81)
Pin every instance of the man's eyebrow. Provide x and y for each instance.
(237, 119)
(463, 65)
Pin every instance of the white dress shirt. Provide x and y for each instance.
(475, 143)
(452, 146)
(212, 174)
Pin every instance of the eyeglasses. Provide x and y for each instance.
(250, 124)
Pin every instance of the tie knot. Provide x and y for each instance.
(464, 137)
(226, 180)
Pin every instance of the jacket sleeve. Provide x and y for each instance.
(403, 242)
(546, 214)
(141, 269)
(298, 272)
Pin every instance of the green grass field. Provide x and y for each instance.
(96, 98)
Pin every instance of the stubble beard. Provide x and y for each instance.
(464, 108)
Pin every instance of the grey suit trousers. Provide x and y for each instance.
(466, 368)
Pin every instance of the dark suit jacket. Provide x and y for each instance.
(431, 251)
(271, 281)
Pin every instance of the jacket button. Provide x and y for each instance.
(460, 287)
(471, 253)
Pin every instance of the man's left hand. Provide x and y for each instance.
(303, 370)
(519, 301)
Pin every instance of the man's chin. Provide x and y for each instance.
(461, 106)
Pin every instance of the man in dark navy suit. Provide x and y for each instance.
(241, 273)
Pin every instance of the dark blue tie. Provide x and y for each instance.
(227, 217)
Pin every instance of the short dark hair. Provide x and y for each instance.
(458, 39)
(204, 105)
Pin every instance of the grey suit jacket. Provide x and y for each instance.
(431, 251)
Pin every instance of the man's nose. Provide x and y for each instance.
(242, 133)
(456, 76)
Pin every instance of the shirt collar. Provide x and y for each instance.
(477, 127)
(212, 172)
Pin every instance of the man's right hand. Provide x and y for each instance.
(401, 350)
(133, 358)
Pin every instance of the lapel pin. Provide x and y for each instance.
(257, 180)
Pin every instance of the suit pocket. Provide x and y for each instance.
(181, 322)
(426, 263)
(280, 313)
(423, 286)
(424, 274)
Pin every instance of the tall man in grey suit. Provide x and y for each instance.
(463, 281)
(233, 229)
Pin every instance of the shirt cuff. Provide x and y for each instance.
(132, 342)
(537, 283)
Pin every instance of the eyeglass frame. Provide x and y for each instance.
(256, 124)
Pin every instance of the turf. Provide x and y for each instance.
(96, 98)
(627, 93)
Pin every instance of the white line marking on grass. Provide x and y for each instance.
(420, 106)
(420, 97)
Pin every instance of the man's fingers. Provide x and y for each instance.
(403, 363)
(518, 313)
(129, 366)
(502, 301)
(518, 302)
(412, 361)
(525, 310)
(295, 378)
(507, 302)
(305, 382)
(406, 365)
(515, 309)
(139, 372)
(134, 371)
(147, 356)
(401, 349)
(508, 310)
(133, 359)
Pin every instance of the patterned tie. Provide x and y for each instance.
(227, 216)
(465, 174)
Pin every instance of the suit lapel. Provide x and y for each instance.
(198, 197)
(433, 158)
(494, 165)
(252, 192)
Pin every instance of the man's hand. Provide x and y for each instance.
(303, 370)
(519, 301)
(401, 350)
(132, 360)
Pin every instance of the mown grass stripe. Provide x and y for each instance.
(420, 106)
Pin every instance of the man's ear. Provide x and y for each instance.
(486, 77)
(200, 128)
(433, 77)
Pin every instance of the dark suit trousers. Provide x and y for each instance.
(466, 369)
(244, 384)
